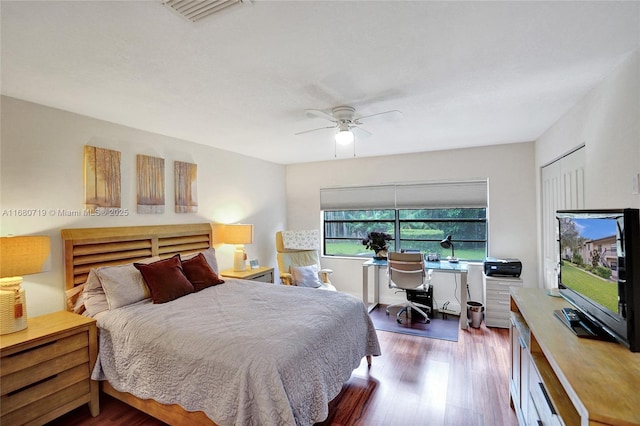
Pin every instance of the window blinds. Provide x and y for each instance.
(430, 195)
(358, 198)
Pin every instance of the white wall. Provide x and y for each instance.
(42, 168)
(42, 157)
(512, 215)
(607, 122)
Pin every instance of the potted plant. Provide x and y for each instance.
(377, 241)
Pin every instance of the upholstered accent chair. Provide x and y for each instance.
(299, 260)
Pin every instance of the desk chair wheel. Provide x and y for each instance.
(397, 316)
(426, 320)
(400, 312)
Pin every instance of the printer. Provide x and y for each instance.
(505, 267)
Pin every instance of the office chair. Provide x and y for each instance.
(405, 271)
(300, 265)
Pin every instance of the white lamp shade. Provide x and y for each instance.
(238, 234)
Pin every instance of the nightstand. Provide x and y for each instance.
(261, 273)
(46, 368)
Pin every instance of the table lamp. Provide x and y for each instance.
(447, 243)
(238, 234)
(19, 256)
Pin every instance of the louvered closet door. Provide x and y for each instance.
(562, 189)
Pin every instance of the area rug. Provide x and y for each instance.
(438, 328)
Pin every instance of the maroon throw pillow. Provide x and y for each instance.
(199, 273)
(165, 279)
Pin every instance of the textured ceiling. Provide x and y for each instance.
(463, 73)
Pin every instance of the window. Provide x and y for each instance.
(423, 229)
(345, 229)
(411, 229)
(417, 216)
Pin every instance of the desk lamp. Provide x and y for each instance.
(19, 256)
(447, 243)
(238, 234)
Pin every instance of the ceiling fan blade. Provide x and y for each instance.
(366, 117)
(321, 114)
(360, 132)
(314, 130)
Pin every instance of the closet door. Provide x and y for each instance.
(562, 189)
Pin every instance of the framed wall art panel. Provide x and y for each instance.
(186, 187)
(150, 177)
(102, 178)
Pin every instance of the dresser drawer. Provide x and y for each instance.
(497, 318)
(540, 405)
(501, 305)
(500, 294)
(497, 300)
(497, 284)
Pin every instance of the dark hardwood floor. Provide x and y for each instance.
(417, 381)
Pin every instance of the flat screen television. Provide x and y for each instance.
(600, 269)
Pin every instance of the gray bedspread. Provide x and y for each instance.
(244, 352)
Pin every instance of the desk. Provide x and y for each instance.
(442, 266)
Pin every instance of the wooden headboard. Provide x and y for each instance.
(86, 248)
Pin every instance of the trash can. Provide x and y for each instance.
(474, 313)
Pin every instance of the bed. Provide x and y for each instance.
(241, 352)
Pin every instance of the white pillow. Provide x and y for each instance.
(123, 284)
(306, 276)
(209, 255)
(95, 301)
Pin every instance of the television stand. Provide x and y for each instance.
(585, 327)
(559, 379)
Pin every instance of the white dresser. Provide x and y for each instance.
(496, 299)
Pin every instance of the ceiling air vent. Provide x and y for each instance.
(194, 10)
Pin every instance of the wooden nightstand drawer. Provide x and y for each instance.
(46, 369)
(261, 273)
(49, 386)
(34, 375)
(266, 277)
(41, 352)
(32, 402)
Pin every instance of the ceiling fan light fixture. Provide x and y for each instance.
(344, 136)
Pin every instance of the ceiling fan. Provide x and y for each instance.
(345, 121)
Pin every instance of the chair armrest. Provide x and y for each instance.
(286, 278)
(324, 275)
